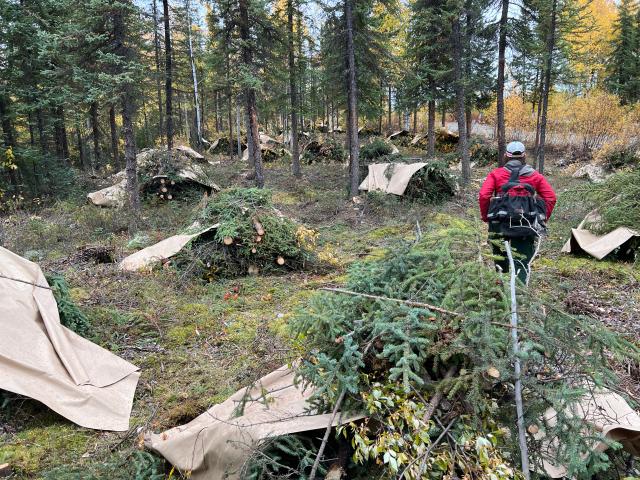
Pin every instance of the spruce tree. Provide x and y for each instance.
(624, 77)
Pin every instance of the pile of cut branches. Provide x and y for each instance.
(616, 199)
(323, 150)
(446, 141)
(433, 183)
(251, 237)
(420, 341)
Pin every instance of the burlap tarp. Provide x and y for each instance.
(377, 179)
(41, 359)
(114, 196)
(607, 413)
(598, 246)
(167, 248)
(217, 444)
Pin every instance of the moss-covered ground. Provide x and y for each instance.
(195, 347)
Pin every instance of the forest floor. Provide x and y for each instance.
(195, 348)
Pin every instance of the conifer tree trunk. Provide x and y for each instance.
(114, 137)
(168, 75)
(431, 129)
(295, 149)
(551, 43)
(194, 76)
(249, 93)
(156, 49)
(389, 109)
(352, 105)
(95, 128)
(238, 136)
(80, 143)
(502, 47)
(463, 146)
(443, 118)
(127, 98)
(469, 120)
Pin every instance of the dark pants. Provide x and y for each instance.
(522, 249)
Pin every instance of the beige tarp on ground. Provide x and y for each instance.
(163, 250)
(113, 196)
(606, 412)
(598, 246)
(216, 444)
(41, 359)
(377, 179)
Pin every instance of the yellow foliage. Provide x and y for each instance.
(596, 118)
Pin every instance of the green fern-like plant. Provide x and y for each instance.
(70, 315)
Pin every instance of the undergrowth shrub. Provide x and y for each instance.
(616, 155)
(327, 149)
(484, 155)
(70, 315)
(391, 353)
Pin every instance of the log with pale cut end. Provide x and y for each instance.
(161, 197)
(227, 240)
(258, 226)
(258, 239)
(162, 181)
(164, 189)
(254, 250)
(173, 182)
(253, 270)
(169, 197)
(280, 260)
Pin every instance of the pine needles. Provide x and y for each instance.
(70, 315)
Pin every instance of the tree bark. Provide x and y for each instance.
(250, 94)
(551, 39)
(81, 154)
(463, 146)
(194, 76)
(9, 137)
(239, 136)
(502, 47)
(114, 137)
(95, 128)
(469, 119)
(168, 75)
(443, 119)
(156, 49)
(295, 149)
(389, 109)
(431, 129)
(352, 102)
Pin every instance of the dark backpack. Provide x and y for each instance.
(517, 214)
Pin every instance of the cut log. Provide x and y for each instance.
(162, 181)
(161, 197)
(169, 197)
(280, 260)
(228, 240)
(254, 250)
(173, 182)
(253, 270)
(258, 239)
(258, 226)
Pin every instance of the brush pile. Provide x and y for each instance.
(420, 341)
(323, 150)
(433, 183)
(446, 141)
(615, 198)
(483, 155)
(251, 237)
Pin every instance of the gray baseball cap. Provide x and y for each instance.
(515, 150)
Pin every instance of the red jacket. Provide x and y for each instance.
(498, 177)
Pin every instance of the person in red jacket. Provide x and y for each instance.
(523, 246)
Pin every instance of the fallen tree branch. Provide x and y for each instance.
(522, 439)
(435, 400)
(411, 303)
(325, 439)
